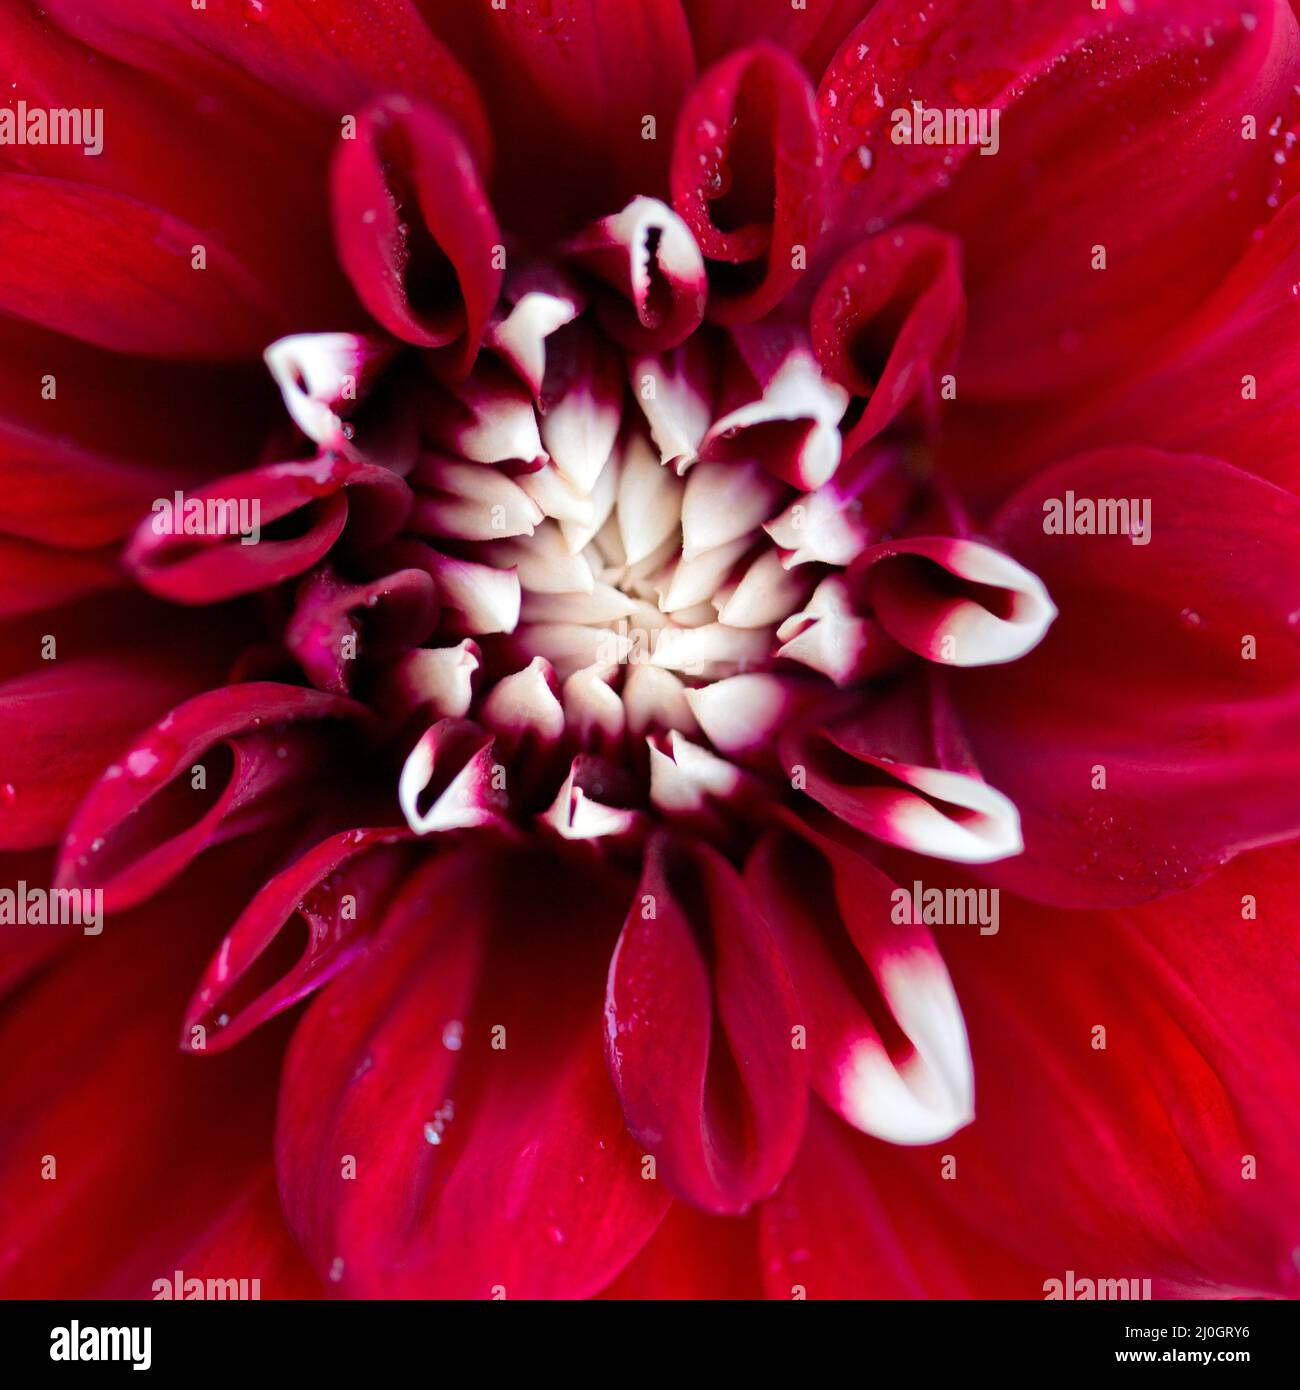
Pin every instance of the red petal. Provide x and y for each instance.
(136, 287)
(447, 781)
(459, 1066)
(79, 469)
(265, 740)
(888, 320)
(1139, 1064)
(325, 495)
(569, 85)
(702, 1031)
(895, 788)
(860, 1219)
(361, 865)
(382, 618)
(747, 179)
(103, 1092)
(812, 31)
(1195, 398)
(415, 231)
(1093, 104)
(1195, 740)
(328, 57)
(646, 253)
(957, 602)
(695, 1255)
(74, 717)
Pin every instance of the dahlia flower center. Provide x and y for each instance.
(625, 549)
(615, 534)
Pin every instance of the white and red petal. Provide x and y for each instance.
(645, 253)
(904, 1076)
(958, 602)
(448, 779)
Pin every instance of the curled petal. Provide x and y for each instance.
(700, 1017)
(950, 815)
(487, 418)
(484, 599)
(954, 601)
(724, 501)
(470, 502)
(437, 682)
(742, 714)
(1180, 574)
(820, 526)
(649, 502)
(648, 255)
(336, 623)
(849, 949)
(888, 320)
(414, 229)
(765, 593)
(830, 636)
(586, 807)
(75, 715)
(655, 702)
(264, 742)
(676, 392)
(593, 712)
(791, 422)
(747, 178)
(206, 545)
(325, 379)
(446, 782)
(337, 892)
(524, 708)
(536, 301)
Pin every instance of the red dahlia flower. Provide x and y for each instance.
(738, 487)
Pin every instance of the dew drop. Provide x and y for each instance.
(141, 762)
